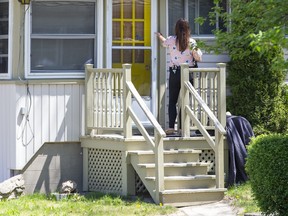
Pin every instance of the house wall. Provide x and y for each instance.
(33, 113)
(7, 129)
(53, 164)
(57, 106)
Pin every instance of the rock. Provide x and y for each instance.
(12, 187)
(68, 187)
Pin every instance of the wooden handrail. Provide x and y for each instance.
(145, 109)
(189, 92)
(192, 90)
(159, 134)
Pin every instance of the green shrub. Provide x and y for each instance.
(267, 169)
(256, 87)
(257, 69)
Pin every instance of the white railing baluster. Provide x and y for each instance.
(103, 100)
(95, 98)
(121, 106)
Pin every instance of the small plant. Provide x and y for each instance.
(268, 172)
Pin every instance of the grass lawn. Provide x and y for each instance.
(90, 204)
(241, 197)
(101, 204)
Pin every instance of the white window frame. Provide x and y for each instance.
(9, 37)
(186, 16)
(98, 42)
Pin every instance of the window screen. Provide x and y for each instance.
(63, 36)
(4, 24)
(190, 10)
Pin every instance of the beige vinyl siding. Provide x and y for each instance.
(7, 129)
(55, 115)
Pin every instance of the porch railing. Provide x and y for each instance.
(104, 100)
(108, 107)
(203, 103)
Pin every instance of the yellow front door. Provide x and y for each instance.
(131, 40)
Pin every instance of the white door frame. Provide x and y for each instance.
(152, 102)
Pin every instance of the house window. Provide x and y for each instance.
(191, 10)
(4, 23)
(63, 37)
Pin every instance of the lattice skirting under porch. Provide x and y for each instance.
(208, 156)
(105, 170)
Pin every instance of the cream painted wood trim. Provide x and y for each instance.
(187, 89)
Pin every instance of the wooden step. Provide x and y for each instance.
(177, 169)
(170, 156)
(167, 151)
(188, 197)
(187, 182)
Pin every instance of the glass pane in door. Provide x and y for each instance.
(141, 71)
(131, 35)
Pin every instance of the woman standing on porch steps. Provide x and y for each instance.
(182, 49)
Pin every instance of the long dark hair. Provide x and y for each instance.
(182, 32)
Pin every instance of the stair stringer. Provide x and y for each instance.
(150, 185)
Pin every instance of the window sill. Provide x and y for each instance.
(44, 81)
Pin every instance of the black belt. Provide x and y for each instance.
(175, 68)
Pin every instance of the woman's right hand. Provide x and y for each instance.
(160, 36)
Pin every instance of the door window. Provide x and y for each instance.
(131, 40)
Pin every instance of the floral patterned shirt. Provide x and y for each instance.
(177, 57)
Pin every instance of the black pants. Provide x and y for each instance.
(174, 89)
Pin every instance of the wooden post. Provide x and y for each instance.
(222, 94)
(219, 138)
(128, 175)
(85, 169)
(88, 98)
(127, 101)
(184, 94)
(219, 159)
(159, 167)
